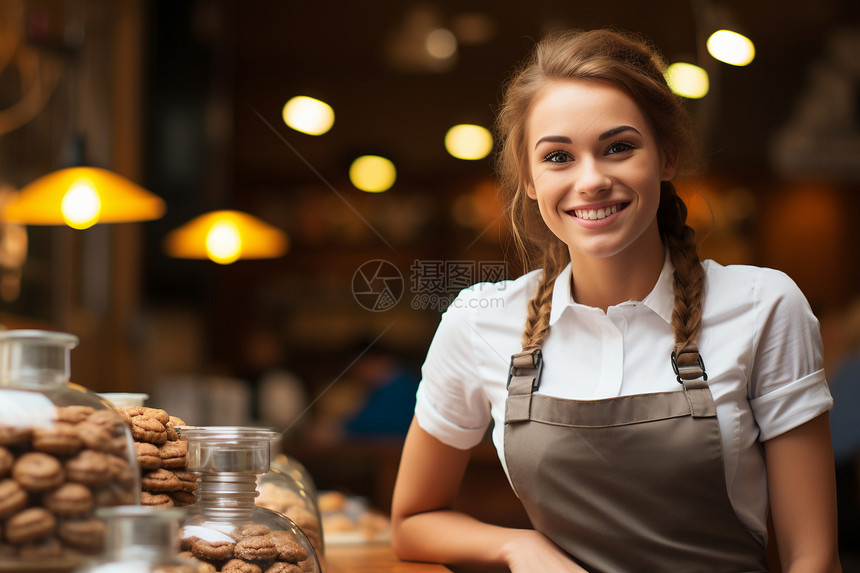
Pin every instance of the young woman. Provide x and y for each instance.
(649, 409)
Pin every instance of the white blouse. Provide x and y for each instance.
(760, 344)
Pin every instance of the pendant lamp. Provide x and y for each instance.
(81, 197)
(226, 236)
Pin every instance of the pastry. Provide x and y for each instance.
(257, 548)
(160, 500)
(160, 480)
(217, 550)
(73, 414)
(13, 497)
(69, 499)
(37, 471)
(85, 534)
(6, 461)
(148, 456)
(89, 467)
(240, 566)
(31, 524)
(173, 454)
(59, 438)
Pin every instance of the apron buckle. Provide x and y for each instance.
(525, 362)
(691, 365)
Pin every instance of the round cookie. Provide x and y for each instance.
(182, 498)
(254, 529)
(257, 548)
(39, 550)
(146, 412)
(288, 550)
(173, 455)
(89, 467)
(85, 534)
(28, 525)
(148, 456)
(13, 497)
(69, 499)
(74, 414)
(150, 430)
(212, 550)
(7, 460)
(37, 471)
(161, 500)
(239, 566)
(160, 480)
(187, 480)
(60, 438)
(281, 567)
(14, 435)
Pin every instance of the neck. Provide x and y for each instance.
(605, 282)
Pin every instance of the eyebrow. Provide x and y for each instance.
(605, 135)
(616, 131)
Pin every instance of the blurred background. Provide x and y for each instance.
(186, 99)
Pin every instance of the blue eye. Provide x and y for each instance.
(557, 157)
(619, 147)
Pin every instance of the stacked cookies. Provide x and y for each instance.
(54, 475)
(255, 549)
(161, 456)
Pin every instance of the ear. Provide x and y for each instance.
(530, 190)
(669, 165)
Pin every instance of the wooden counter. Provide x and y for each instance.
(373, 558)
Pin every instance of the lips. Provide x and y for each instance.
(600, 213)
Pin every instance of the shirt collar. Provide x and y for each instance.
(661, 299)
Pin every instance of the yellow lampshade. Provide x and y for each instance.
(81, 197)
(224, 237)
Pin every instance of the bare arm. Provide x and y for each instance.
(802, 491)
(426, 528)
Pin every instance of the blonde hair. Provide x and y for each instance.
(632, 64)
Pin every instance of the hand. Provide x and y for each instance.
(531, 549)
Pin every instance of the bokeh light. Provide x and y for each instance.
(731, 47)
(468, 141)
(308, 115)
(372, 173)
(688, 80)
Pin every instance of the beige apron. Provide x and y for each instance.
(633, 483)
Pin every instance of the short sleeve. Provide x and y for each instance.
(451, 403)
(787, 383)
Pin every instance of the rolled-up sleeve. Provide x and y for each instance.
(787, 386)
(451, 403)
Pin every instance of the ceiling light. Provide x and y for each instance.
(81, 197)
(224, 237)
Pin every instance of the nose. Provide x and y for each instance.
(591, 177)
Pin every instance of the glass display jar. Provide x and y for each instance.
(224, 527)
(64, 452)
(142, 540)
(281, 492)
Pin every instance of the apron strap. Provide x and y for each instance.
(688, 364)
(690, 372)
(523, 379)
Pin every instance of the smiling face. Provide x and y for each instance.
(596, 169)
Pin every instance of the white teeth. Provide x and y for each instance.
(595, 213)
